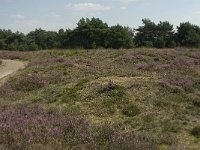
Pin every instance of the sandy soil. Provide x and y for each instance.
(9, 67)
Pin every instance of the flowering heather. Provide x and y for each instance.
(162, 84)
(178, 85)
(17, 87)
(182, 62)
(30, 82)
(30, 127)
(173, 88)
(17, 55)
(26, 126)
(48, 61)
(143, 66)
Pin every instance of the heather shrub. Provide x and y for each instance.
(5, 55)
(65, 53)
(17, 55)
(172, 88)
(182, 62)
(47, 61)
(143, 66)
(108, 137)
(179, 85)
(25, 126)
(30, 127)
(29, 82)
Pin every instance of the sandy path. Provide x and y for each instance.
(9, 67)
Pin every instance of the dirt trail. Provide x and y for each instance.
(9, 67)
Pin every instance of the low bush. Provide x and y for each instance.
(196, 102)
(30, 82)
(131, 111)
(196, 132)
(115, 94)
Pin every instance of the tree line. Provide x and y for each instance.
(94, 33)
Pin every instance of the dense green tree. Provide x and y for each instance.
(145, 34)
(94, 33)
(43, 39)
(16, 41)
(164, 35)
(52, 40)
(119, 37)
(90, 33)
(155, 35)
(38, 37)
(188, 35)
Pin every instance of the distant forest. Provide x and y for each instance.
(94, 33)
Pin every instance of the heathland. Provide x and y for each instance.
(102, 99)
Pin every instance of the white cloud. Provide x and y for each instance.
(197, 13)
(88, 7)
(128, 1)
(18, 16)
(123, 7)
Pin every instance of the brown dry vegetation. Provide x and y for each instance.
(148, 95)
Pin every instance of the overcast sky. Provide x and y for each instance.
(26, 15)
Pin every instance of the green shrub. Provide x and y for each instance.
(115, 94)
(131, 111)
(196, 132)
(71, 93)
(197, 103)
(114, 97)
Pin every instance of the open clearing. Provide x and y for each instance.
(9, 67)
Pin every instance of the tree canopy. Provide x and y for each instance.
(94, 33)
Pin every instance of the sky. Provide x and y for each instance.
(26, 15)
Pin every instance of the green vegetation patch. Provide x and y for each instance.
(131, 110)
(65, 53)
(159, 99)
(196, 132)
